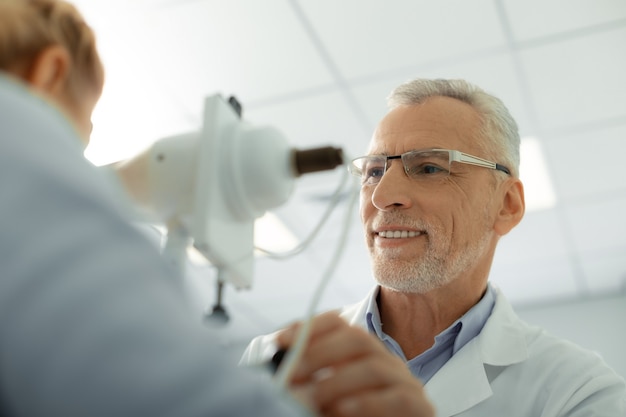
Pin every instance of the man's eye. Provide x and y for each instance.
(373, 174)
(428, 169)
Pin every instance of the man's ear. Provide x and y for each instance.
(50, 70)
(512, 207)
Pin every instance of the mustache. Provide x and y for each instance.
(395, 218)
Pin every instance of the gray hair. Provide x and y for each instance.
(499, 129)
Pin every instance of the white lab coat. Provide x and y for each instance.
(510, 369)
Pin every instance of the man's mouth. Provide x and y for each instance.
(398, 234)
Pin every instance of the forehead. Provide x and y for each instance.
(439, 122)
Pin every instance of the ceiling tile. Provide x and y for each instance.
(313, 121)
(495, 74)
(597, 225)
(605, 271)
(578, 81)
(364, 39)
(164, 57)
(587, 164)
(534, 282)
(245, 48)
(531, 19)
(537, 237)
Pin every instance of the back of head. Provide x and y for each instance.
(499, 133)
(27, 27)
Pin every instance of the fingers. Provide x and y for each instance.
(391, 401)
(366, 388)
(345, 371)
(332, 343)
(322, 324)
(366, 374)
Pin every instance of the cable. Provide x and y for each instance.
(334, 201)
(293, 355)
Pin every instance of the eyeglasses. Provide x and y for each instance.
(428, 165)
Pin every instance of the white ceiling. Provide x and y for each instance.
(320, 70)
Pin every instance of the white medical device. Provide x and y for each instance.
(208, 187)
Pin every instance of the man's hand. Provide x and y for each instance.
(345, 371)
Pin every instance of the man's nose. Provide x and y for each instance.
(394, 188)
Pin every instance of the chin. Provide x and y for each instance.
(408, 288)
(411, 276)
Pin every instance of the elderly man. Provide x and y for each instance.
(91, 323)
(440, 186)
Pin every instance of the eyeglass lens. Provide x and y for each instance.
(418, 165)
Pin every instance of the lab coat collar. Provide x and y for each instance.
(464, 380)
(355, 314)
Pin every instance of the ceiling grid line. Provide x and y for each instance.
(295, 95)
(605, 196)
(520, 75)
(320, 70)
(364, 80)
(528, 102)
(571, 34)
(586, 126)
(332, 67)
(465, 58)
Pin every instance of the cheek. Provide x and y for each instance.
(468, 225)
(365, 205)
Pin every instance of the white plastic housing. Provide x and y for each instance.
(241, 173)
(213, 184)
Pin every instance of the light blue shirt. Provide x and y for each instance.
(447, 343)
(92, 322)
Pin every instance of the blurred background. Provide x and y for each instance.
(320, 70)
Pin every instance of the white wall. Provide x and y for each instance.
(598, 324)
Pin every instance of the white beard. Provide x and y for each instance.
(435, 268)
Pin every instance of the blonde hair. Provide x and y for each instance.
(27, 27)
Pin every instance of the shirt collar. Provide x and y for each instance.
(474, 320)
(372, 315)
(468, 326)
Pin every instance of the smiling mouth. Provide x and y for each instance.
(398, 234)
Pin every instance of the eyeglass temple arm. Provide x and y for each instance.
(474, 160)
